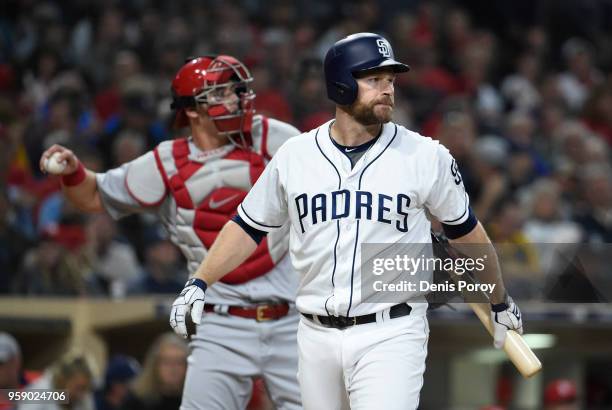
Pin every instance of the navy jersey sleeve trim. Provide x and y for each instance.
(256, 234)
(257, 222)
(462, 229)
(467, 208)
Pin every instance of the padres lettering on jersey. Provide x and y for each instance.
(333, 208)
(353, 204)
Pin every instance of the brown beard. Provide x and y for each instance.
(365, 114)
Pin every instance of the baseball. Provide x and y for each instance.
(53, 165)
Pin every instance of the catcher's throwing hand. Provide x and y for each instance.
(191, 300)
(72, 162)
(505, 316)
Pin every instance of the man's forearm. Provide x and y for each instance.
(84, 196)
(232, 247)
(477, 244)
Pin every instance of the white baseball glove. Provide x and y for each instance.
(191, 300)
(505, 316)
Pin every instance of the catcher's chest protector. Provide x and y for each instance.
(207, 191)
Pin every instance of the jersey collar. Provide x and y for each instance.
(358, 148)
(340, 160)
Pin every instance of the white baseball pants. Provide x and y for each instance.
(365, 367)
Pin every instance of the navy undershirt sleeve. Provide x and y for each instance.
(256, 234)
(457, 231)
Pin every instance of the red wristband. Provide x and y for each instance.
(76, 177)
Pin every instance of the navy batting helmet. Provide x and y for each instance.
(355, 53)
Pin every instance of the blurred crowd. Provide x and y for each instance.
(520, 92)
(124, 384)
(121, 384)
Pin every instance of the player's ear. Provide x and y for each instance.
(191, 112)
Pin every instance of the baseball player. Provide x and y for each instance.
(194, 185)
(357, 179)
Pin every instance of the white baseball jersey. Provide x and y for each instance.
(333, 209)
(195, 193)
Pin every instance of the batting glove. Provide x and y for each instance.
(505, 316)
(191, 300)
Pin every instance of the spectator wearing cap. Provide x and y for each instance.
(561, 394)
(163, 273)
(118, 387)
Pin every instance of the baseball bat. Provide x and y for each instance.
(519, 353)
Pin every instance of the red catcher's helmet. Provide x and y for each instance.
(559, 391)
(187, 84)
(230, 98)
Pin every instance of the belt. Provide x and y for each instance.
(261, 312)
(341, 322)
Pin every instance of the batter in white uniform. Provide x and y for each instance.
(194, 185)
(357, 179)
